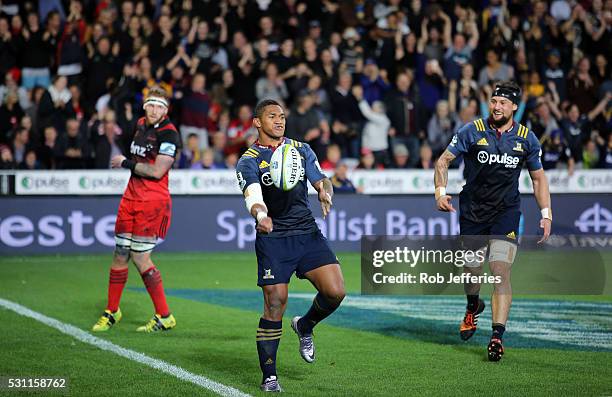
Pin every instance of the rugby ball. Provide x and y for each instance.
(286, 167)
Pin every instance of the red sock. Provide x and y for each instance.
(153, 282)
(116, 282)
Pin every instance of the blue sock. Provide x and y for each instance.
(319, 310)
(268, 338)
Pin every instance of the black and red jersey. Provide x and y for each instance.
(149, 142)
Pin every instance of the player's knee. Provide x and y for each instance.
(335, 295)
(142, 260)
(121, 257)
(501, 270)
(275, 303)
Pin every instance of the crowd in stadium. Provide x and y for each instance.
(384, 83)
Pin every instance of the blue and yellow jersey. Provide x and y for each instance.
(289, 211)
(493, 167)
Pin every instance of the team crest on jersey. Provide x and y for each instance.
(268, 274)
(264, 164)
(518, 147)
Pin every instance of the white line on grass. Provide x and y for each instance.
(141, 358)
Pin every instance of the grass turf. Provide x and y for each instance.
(218, 341)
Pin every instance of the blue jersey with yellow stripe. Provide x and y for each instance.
(289, 211)
(493, 164)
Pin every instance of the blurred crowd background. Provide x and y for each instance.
(368, 84)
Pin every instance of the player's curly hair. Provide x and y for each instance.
(261, 106)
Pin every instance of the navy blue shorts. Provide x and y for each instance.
(279, 257)
(505, 227)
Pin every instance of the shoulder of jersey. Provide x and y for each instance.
(522, 131)
(250, 153)
(295, 143)
(479, 125)
(167, 125)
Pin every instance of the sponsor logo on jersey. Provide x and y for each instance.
(482, 142)
(167, 148)
(493, 158)
(138, 150)
(518, 147)
(264, 164)
(266, 179)
(241, 180)
(511, 235)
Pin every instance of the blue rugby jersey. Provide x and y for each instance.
(289, 211)
(493, 166)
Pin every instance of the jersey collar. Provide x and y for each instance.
(272, 147)
(496, 130)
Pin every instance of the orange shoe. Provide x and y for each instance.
(470, 321)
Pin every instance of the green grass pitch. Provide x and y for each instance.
(371, 346)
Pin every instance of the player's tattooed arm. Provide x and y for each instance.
(443, 200)
(542, 195)
(441, 171)
(326, 192)
(156, 170)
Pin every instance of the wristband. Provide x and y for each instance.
(128, 164)
(546, 213)
(440, 191)
(261, 215)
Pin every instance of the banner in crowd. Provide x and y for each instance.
(208, 223)
(186, 182)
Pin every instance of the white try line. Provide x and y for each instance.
(141, 358)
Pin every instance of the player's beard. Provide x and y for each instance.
(156, 121)
(500, 122)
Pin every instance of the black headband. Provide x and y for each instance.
(513, 95)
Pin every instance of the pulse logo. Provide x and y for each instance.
(493, 158)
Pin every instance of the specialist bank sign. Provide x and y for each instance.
(205, 182)
(221, 223)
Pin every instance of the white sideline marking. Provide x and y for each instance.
(141, 358)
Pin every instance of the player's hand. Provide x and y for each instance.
(264, 225)
(545, 224)
(444, 204)
(326, 202)
(117, 160)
